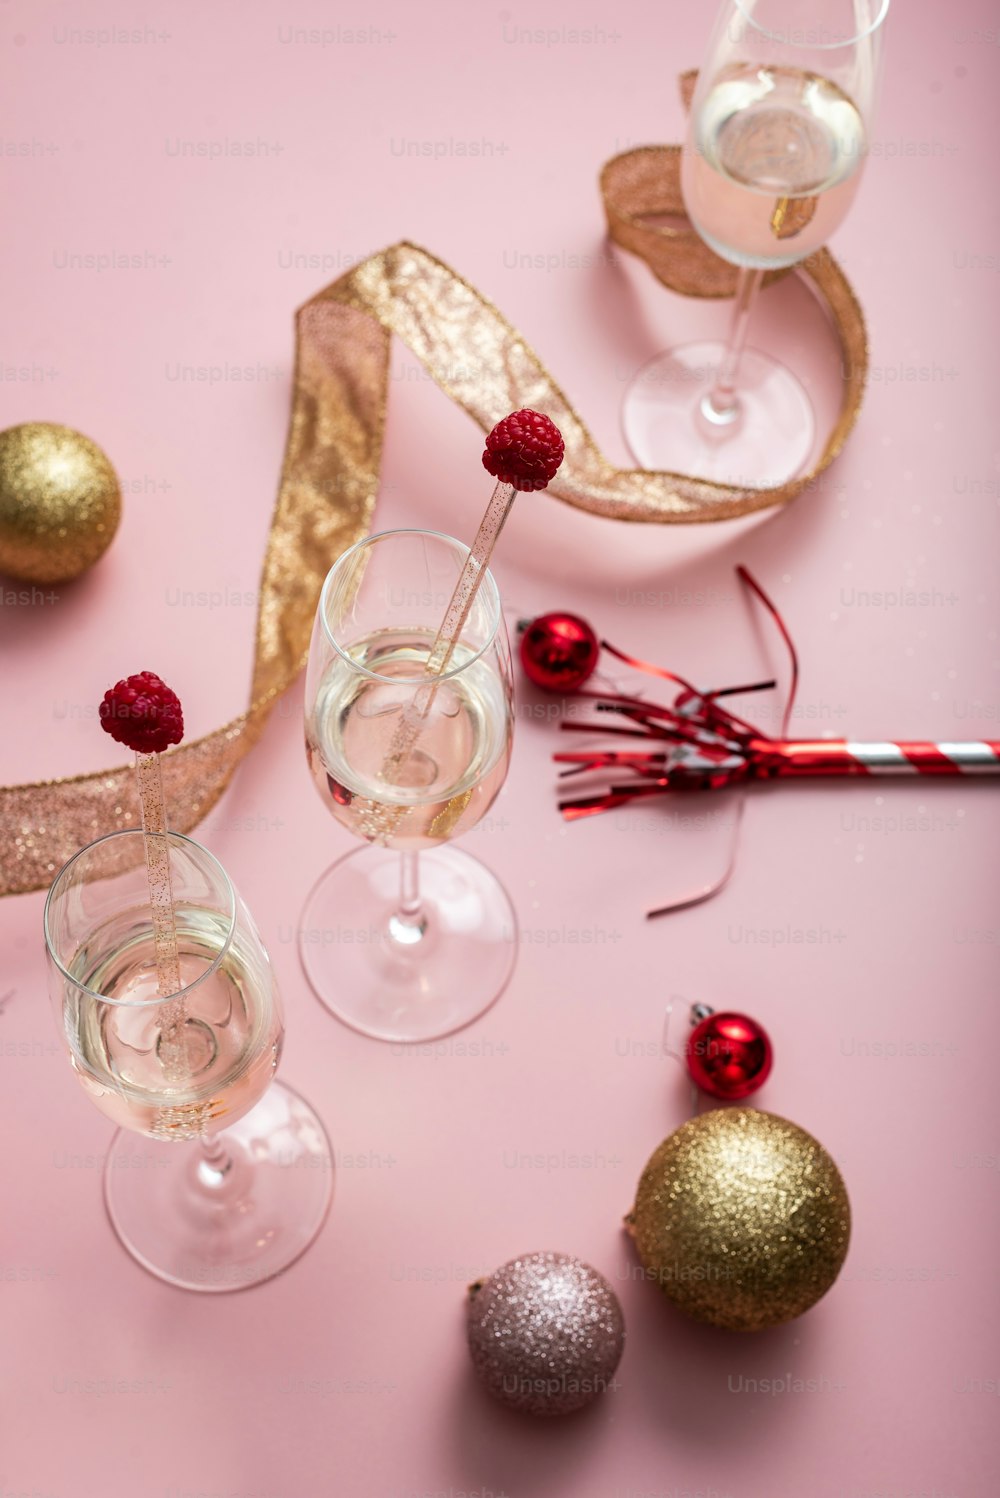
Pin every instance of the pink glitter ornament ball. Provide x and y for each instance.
(546, 1333)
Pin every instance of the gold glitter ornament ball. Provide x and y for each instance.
(60, 502)
(742, 1218)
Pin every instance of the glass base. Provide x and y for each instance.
(215, 1230)
(405, 983)
(767, 441)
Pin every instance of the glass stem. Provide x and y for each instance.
(720, 408)
(409, 923)
(216, 1162)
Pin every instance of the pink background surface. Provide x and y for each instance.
(860, 916)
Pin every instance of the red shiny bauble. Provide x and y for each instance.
(729, 1055)
(559, 652)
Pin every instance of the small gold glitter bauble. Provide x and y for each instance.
(742, 1218)
(59, 502)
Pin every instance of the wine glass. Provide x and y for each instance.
(776, 144)
(408, 938)
(236, 1175)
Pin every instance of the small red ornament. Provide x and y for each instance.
(559, 652)
(729, 1055)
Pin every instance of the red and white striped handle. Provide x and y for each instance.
(846, 757)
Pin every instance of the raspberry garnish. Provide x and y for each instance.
(142, 713)
(525, 449)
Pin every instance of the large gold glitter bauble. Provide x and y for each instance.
(59, 502)
(742, 1218)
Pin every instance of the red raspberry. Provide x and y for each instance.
(142, 713)
(525, 449)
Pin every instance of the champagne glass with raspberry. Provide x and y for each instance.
(408, 727)
(170, 1012)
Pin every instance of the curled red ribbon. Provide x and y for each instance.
(707, 747)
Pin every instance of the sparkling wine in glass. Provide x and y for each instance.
(776, 144)
(408, 938)
(221, 1200)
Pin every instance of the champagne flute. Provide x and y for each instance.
(776, 144)
(408, 938)
(235, 1178)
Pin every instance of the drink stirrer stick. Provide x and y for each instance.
(523, 452)
(144, 714)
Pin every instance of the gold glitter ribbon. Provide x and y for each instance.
(333, 456)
